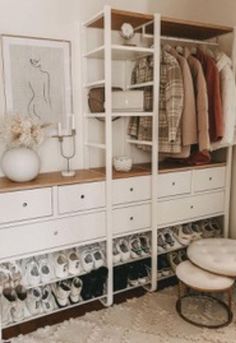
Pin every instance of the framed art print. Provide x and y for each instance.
(37, 76)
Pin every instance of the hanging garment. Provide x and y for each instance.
(228, 93)
(171, 104)
(216, 124)
(141, 128)
(201, 96)
(189, 117)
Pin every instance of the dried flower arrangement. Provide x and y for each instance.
(22, 131)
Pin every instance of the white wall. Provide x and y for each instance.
(57, 19)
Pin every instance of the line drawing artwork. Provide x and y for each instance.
(41, 92)
(37, 75)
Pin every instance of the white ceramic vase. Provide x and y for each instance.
(20, 164)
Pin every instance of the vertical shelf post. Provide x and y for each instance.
(108, 141)
(155, 120)
(229, 159)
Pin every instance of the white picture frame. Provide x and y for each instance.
(37, 78)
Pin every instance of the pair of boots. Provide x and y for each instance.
(93, 283)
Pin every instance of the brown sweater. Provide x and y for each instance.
(216, 123)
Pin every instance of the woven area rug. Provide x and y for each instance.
(149, 319)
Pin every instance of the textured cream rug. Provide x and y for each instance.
(149, 319)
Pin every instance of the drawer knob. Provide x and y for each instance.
(25, 204)
(191, 206)
(131, 218)
(173, 183)
(210, 178)
(55, 233)
(82, 196)
(131, 189)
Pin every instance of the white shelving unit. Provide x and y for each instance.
(159, 192)
(109, 52)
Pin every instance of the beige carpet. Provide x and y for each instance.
(149, 319)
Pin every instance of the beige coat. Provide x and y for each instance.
(189, 117)
(201, 95)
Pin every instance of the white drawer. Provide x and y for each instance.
(22, 205)
(131, 219)
(32, 238)
(189, 208)
(172, 184)
(207, 179)
(131, 189)
(81, 197)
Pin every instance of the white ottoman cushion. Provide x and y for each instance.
(216, 255)
(197, 278)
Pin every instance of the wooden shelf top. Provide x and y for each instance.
(169, 26)
(94, 175)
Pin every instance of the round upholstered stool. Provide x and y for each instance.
(203, 282)
(216, 255)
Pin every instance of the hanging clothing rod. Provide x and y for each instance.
(185, 40)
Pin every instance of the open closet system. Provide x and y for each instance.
(100, 205)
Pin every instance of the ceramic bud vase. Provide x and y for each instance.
(20, 164)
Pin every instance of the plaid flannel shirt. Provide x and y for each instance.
(141, 128)
(171, 105)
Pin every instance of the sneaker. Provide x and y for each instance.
(133, 276)
(87, 260)
(61, 291)
(74, 264)
(15, 272)
(182, 234)
(98, 257)
(45, 269)
(216, 227)
(135, 247)
(174, 260)
(47, 299)
(76, 288)
(145, 243)
(116, 255)
(30, 270)
(60, 264)
(6, 305)
(34, 301)
(123, 248)
(196, 227)
(161, 244)
(5, 280)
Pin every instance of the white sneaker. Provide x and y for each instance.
(182, 236)
(116, 255)
(135, 247)
(45, 269)
(76, 288)
(123, 248)
(6, 317)
(60, 264)
(145, 242)
(74, 264)
(98, 257)
(61, 291)
(5, 280)
(30, 270)
(48, 304)
(87, 260)
(34, 301)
